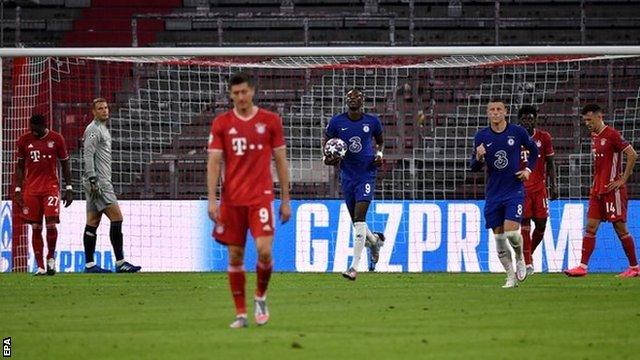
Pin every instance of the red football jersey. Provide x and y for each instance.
(247, 146)
(41, 162)
(607, 147)
(538, 178)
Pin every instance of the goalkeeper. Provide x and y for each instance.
(101, 198)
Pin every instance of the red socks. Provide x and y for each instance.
(536, 239)
(526, 244)
(237, 280)
(629, 249)
(530, 242)
(588, 244)
(52, 238)
(38, 244)
(263, 273)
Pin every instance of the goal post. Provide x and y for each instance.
(431, 101)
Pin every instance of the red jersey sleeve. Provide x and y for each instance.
(61, 148)
(216, 140)
(277, 133)
(619, 143)
(548, 146)
(20, 153)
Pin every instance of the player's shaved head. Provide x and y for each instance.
(354, 92)
(355, 99)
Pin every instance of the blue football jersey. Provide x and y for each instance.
(358, 135)
(503, 159)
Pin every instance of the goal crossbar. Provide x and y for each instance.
(324, 51)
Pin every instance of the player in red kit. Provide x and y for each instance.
(536, 199)
(608, 200)
(245, 138)
(37, 189)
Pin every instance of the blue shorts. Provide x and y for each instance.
(357, 190)
(496, 212)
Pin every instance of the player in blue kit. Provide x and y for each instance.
(358, 172)
(499, 147)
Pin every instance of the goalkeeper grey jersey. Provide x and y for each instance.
(97, 151)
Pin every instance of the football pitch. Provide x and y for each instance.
(323, 316)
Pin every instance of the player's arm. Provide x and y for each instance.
(214, 166)
(19, 181)
(379, 148)
(90, 145)
(632, 156)
(63, 155)
(553, 179)
(528, 143)
(19, 172)
(282, 168)
(478, 154)
(66, 174)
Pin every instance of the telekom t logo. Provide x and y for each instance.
(239, 145)
(35, 155)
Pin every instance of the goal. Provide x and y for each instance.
(431, 102)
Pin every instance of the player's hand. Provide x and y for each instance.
(18, 198)
(378, 160)
(213, 211)
(553, 193)
(68, 198)
(523, 175)
(615, 185)
(94, 189)
(285, 211)
(480, 152)
(331, 161)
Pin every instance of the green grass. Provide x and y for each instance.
(380, 316)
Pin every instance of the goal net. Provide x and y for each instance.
(427, 202)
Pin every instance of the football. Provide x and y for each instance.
(335, 148)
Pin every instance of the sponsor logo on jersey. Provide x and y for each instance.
(233, 131)
(261, 128)
(365, 128)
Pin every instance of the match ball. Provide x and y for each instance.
(335, 148)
